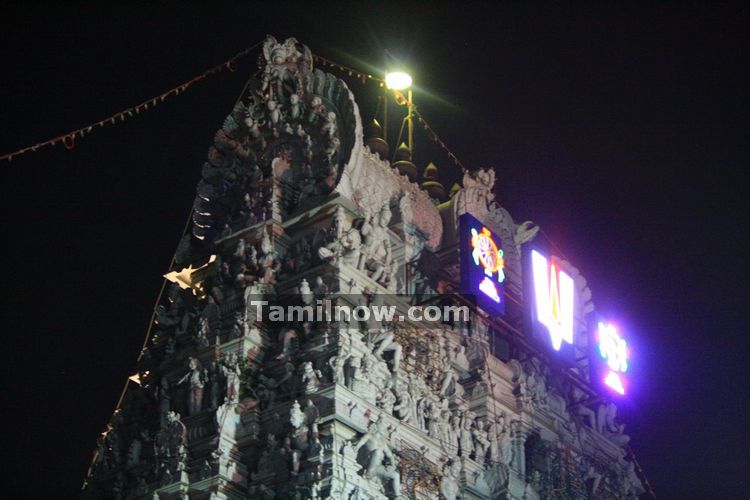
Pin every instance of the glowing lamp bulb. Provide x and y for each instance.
(397, 80)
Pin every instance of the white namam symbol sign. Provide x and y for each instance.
(554, 292)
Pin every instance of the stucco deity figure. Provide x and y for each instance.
(295, 107)
(345, 241)
(466, 435)
(449, 436)
(608, 425)
(449, 385)
(340, 225)
(317, 109)
(201, 338)
(476, 194)
(321, 289)
(233, 373)
(380, 461)
(417, 396)
(580, 409)
(338, 366)
(536, 386)
(360, 380)
(450, 483)
(383, 341)
(197, 379)
(306, 294)
(274, 113)
(253, 125)
(329, 127)
(376, 371)
(174, 315)
(434, 420)
(289, 341)
(481, 441)
(303, 436)
(310, 377)
(386, 399)
(402, 408)
(277, 71)
(376, 249)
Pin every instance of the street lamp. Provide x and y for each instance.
(398, 81)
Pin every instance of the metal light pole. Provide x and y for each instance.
(398, 81)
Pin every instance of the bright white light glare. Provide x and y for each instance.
(397, 80)
(553, 291)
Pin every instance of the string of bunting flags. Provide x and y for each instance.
(69, 139)
(436, 139)
(364, 77)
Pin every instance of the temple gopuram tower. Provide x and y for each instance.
(478, 380)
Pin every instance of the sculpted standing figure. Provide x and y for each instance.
(232, 372)
(379, 451)
(303, 436)
(466, 436)
(310, 377)
(383, 340)
(386, 399)
(450, 485)
(197, 379)
(403, 408)
(481, 441)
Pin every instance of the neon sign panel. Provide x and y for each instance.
(554, 293)
(614, 350)
(482, 264)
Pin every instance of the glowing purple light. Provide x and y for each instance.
(612, 347)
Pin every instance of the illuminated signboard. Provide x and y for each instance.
(553, 292)
(482, 265)
(612, 352)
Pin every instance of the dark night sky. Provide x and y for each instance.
(622, 130)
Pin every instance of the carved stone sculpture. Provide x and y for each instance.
(379, 460)
(450, 485)
(197, 380)
(376, 248)
(609, 427)
(383, 340)
(311, 378)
